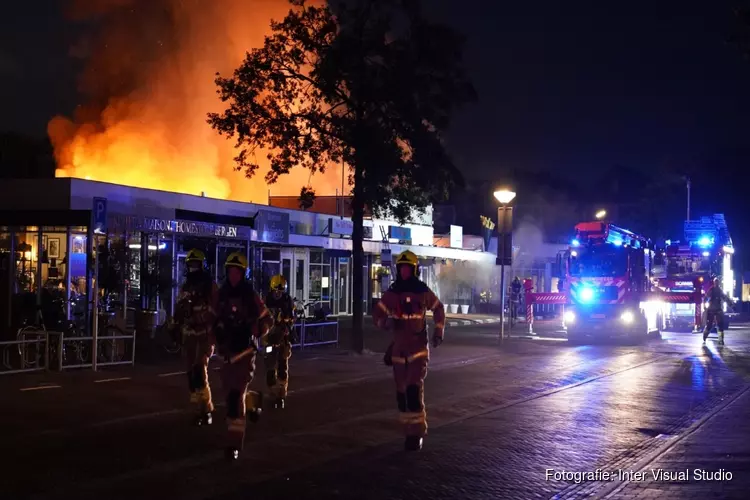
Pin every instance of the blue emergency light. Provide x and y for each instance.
(587, 294)
(705, 241)
(575, 243)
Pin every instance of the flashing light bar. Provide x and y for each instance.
(705, 241)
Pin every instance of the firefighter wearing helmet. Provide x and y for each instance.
(242, 322)
(715, 299)
(194, 321)
(281, 307)
(406, 303)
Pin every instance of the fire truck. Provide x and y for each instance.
(705, 252)
(608, 283)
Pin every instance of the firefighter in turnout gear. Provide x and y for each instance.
(715, 299)
(242, 325)
(194, 317)
(403, 308)
(279, 350)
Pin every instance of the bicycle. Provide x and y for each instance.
(320, 312)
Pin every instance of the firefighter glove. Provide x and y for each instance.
(436, 340)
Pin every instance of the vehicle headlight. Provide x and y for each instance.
(569, 316)
(627, 317)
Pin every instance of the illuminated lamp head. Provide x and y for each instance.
(575, 243)
(706, 254)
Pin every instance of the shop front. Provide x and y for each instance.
(146, 256)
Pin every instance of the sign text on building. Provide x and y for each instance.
(399, 233)
(136, 223)
(343, 227)
(272, 227)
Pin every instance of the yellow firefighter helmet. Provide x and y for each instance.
(195, 255)
(410, 259)
(278, 282)
(236, 259)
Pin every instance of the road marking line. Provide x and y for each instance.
(172, 374)
(41, 387)
(111, 380)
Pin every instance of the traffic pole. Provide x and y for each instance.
(528, 286)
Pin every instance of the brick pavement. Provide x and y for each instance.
(720, 446)
(492, 434)
(161, 454)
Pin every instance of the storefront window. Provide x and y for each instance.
(320, 280)
(270, 266)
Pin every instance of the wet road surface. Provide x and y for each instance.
(506, 421)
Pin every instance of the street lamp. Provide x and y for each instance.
(504, 196)
(505, 231)
(601, 214)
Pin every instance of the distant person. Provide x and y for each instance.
(515, 296)
(406, 303)
(715, 299)
(281, 306)
(194, 317)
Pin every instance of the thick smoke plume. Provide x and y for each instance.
(147, 84)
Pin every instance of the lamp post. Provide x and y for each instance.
(505, 231)
(601, 214)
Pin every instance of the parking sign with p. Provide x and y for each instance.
(99, 214)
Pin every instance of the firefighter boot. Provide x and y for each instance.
(254, 402)
(232, 453)
(721, 338)
(413, 443)
(279, 403)
(205, 418)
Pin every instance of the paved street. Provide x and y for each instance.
(510, 420)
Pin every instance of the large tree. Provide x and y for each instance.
(370, 83)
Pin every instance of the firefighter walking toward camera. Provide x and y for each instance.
(241, 328)
(405, 306)
(194, 319)
(715, 299)
(279, 350)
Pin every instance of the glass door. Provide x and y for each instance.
(342, 287)
(294, 269)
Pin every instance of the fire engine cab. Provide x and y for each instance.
(705, 252)
(607, 273)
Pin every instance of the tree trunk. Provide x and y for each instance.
(358, 213)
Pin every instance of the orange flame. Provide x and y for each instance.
(154, 133)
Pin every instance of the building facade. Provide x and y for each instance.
(49, 229)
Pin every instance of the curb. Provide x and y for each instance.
(469, 322)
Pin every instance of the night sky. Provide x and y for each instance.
(570, 87)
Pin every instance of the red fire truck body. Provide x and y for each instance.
(607, 280)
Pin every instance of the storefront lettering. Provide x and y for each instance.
(134, 223)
